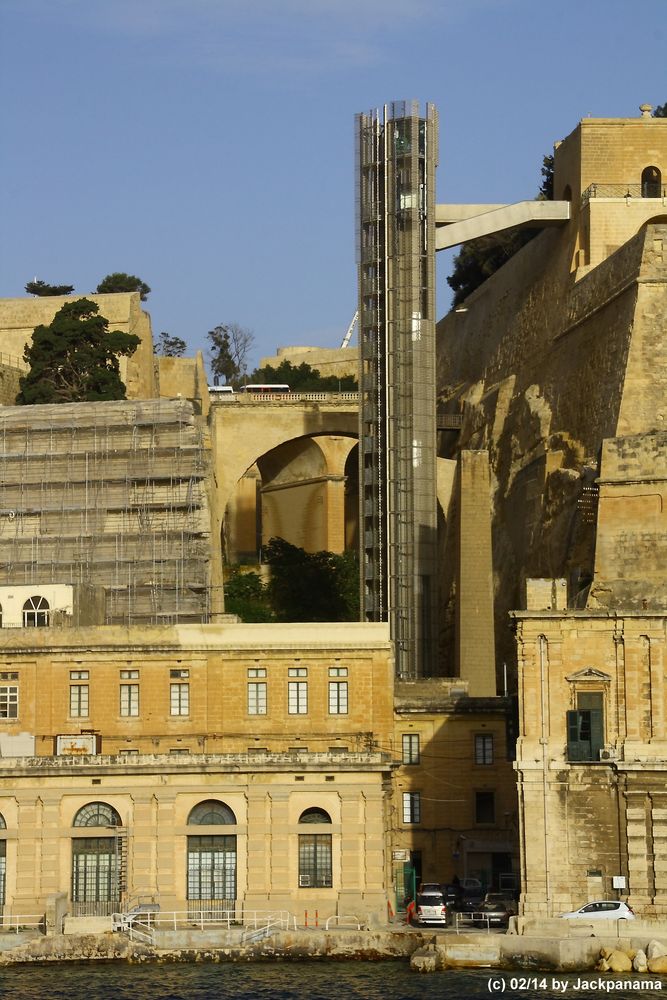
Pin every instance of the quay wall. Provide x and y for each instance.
(425, 949)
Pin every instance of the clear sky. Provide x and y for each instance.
(207, 146)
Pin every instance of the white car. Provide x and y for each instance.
(602, 909)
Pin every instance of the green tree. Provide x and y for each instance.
(661, 111)
(170, 346)
(247, 596)
(478, 260)
(75, 358)
(38, 287)
(121, 282)
(230, 345)
(303, 378)
(312, 586)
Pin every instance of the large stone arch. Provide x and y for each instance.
(297, 491)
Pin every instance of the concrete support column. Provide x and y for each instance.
(141, 859)
(335, 514)
(475, 625)
(171, 869)
(659, 836)
(259, 857)
(27, 849)
(640, 849)
(280, 843)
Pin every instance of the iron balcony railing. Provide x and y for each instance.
(649, 189)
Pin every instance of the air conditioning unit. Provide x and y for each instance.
(608, 753)
(305, 880)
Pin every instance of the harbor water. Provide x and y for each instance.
(308, 980)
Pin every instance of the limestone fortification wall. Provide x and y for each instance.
(544, 368)
(19, 317)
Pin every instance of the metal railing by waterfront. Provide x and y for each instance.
(206, 919)
(650, 190)
(22, 921)
(344, 919)
(464, 921)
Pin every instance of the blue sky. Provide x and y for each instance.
(208, 145)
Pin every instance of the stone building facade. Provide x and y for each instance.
(125, 753)
(208, 767)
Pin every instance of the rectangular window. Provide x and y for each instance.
(337, 697)
(297, 698)
(9, 675)
(484, 748)
(257, 672)
(410, 748)
(129, 675)
(485, 807)
(337, 671)
(78, 701)
(585, 727)
(179, 699)
(257, 698)
(314, 860)
(298, 671)
(129, 699)
(412, 807)
(9, 701)
(179, 672)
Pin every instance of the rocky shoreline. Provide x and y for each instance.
(426, 951)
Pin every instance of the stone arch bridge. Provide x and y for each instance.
(285, 465)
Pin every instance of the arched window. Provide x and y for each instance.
(314, 815)
(97, 814)
(36, 612)
(211, 861)
(651, 183)
(97, 862)
(3, 862)
(314, 852)
(211, 813)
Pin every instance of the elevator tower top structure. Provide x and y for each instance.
(397, 152)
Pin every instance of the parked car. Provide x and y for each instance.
(491, 915)
(453, 896)
(430, 908)
(601, 909)
(506, 898)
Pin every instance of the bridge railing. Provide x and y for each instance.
(284, 398)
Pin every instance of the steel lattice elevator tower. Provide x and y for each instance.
(396, 153)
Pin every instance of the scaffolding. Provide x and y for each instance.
(111, 496)
(396, 159)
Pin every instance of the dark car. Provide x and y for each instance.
(503, 897)
(491, 915)
(453, 896)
